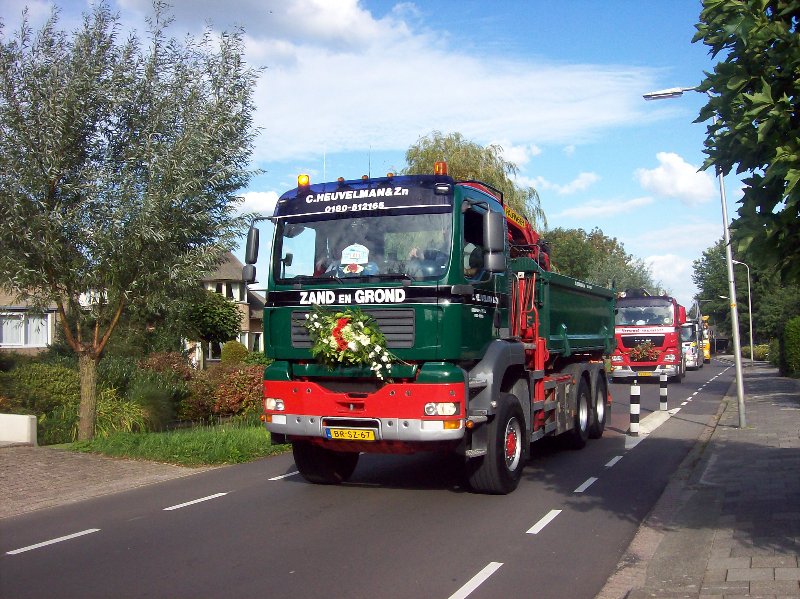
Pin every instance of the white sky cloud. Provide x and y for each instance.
(580, 183)
(600, 208)
(519, 155)
(675, 274)
(262, 202)
(676, 178)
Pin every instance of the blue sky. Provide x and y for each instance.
(350, 84)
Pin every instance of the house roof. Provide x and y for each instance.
(230, 269)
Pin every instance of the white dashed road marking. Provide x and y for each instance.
(476, 580)
(589, 482)
(537, 528)
(53, 541)
(180, 505)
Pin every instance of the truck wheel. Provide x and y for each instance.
(323, 466)
(599, 409)
(498, 472)
(576, 438)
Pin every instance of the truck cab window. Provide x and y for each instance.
(473, 245)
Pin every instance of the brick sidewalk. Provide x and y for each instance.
(728, 523)
(33, 478)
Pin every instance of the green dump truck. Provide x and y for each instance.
(419, 313)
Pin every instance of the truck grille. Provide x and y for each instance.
(396, 325)
(633, 341)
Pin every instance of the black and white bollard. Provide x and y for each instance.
(635, 408)
(663, 392)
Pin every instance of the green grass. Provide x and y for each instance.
(200, 446)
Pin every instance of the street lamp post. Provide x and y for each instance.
(677, 92)
(749, 308)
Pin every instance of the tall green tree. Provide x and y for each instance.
(755, 90)
(597, 258)
(119, 165)
(469, 160)
(212, 318)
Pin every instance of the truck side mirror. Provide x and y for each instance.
(251, 250)
(494, 262)
(249, 273)
(681, 314)
(494, 232)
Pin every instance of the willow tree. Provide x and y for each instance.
(119, 164)
(469, 160)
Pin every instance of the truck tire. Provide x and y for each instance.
(323, 466)
(600, 408)
(499, 471)
(576, 438)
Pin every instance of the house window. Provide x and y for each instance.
(214, 351)
(256, 346)
(18, 329)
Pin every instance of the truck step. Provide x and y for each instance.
(475, 453)
(477, 383)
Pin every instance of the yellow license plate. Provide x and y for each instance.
(349, 434)
(644, 374)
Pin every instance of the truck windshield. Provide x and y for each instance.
(688, 333)
(386, 246)
(644, 312)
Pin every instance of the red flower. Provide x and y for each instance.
(337, 333)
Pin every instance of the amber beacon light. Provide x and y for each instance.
(439, 168)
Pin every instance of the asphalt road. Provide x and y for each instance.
(403, 527)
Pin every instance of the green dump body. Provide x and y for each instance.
(575, 317)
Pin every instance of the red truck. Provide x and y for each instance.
(647, 330)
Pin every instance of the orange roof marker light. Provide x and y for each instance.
(440, 168)
(303, 180)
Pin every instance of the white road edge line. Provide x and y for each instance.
(539, 526)
(476, 580)
(588, 483)
(53, 541)
(180, 505)
(613, 461)
(284, 475)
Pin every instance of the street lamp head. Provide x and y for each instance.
(672, 92)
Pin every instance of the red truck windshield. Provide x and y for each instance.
(644, 311)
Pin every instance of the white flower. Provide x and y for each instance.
(352, 346)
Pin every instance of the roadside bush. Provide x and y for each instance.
(157, 395)
(35, 388)
(116, 372)
(760, 352)
(775, 352)
(791, 346)
(233, 352)
(257, 358)
(198, 405)
(169, 362)
(113, 415)
(238, 390)
(10, 360)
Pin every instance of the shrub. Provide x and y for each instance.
(257, 358)
(148, 389)
(170, 362)
(10, 360)
(760, 352)
(198, 405)
(35, 388)
(113, 415)
(116, 372)
(791, 346)
(233, 352)
(238, 390)
(775, 352)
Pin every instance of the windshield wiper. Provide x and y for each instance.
(308, 278)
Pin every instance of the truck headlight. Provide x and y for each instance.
(441, 409)
(273, 404)
(616, 358)
(669, 357)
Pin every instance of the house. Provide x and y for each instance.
(227, 280)
(22, 330)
